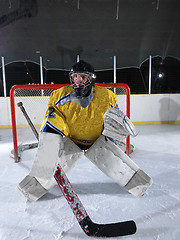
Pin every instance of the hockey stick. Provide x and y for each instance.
(87, 225)
(23, 147)
(20, 105)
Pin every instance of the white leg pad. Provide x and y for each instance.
(111, 160)
(70, 155)
(51, 150)
(40, 179)
(44, 166)
(139, 183)
(31, 188)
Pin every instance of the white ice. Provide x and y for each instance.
(157, 213)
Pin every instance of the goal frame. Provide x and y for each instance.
(129, 147)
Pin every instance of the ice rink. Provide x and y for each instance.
(157, 213)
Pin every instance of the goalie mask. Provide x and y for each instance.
(82, 78)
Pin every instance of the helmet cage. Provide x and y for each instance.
(90, 77)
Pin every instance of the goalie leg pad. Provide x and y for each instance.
(44, 166)
(40, 179)
(51, 150)
(111, 160)
(31, 188)
(139, 183)
(70, 155)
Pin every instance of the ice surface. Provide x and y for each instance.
(157, 213)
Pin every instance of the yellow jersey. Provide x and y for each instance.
(82, 125)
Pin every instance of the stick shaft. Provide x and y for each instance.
(20, 105)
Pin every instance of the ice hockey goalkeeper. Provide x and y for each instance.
(83, 119)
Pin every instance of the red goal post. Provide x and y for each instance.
(35, 98)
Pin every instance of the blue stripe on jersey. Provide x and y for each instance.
(63, 100)
(49, 127)
(115, 106)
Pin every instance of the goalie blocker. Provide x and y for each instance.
(109, 158)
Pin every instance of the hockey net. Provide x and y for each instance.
(35, 99)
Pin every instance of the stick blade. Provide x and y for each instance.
(107, 230)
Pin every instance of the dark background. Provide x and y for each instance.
(96, 30)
